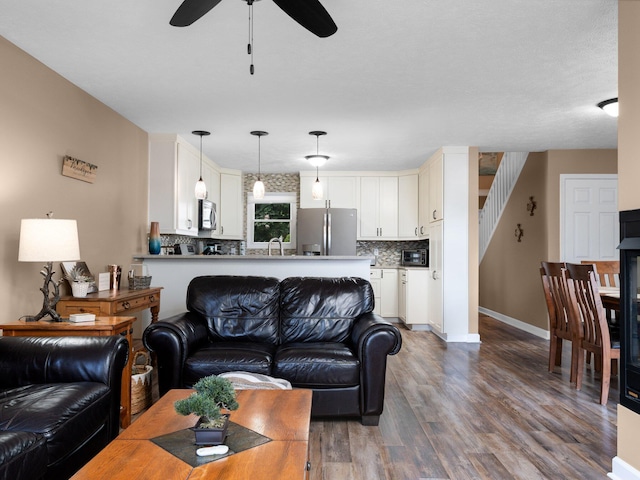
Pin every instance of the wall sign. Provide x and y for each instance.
(78, 169)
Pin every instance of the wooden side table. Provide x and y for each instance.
(103, 326)
(112, 302)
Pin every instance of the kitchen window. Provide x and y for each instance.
(273, 216)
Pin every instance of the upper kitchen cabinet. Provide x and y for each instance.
(423, 201)
(408, 226)
(436, 182)
(174, 171)
(378, 213)
(339, 191)
(231, 207)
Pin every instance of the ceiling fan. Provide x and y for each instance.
(308, 13)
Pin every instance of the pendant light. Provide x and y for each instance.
(317, 161)
(201, 188)
(258, 187)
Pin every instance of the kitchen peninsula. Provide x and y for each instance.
(174, 272)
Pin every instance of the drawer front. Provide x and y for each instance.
(69, 309)
(133, 303)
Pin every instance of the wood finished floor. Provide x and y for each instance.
(460, 411)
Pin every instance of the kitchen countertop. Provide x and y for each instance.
(254, 257)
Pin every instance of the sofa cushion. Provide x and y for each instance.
(317, 365)
(221, 357)
(237, 308)
(22, 455)
(66, 414)
(317, 309)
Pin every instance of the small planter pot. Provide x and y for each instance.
(211, 436)
(79, 289)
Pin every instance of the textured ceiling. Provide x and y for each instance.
(397, 81)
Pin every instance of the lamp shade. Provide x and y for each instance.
(48, 240)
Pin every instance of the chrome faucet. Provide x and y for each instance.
(279, 240)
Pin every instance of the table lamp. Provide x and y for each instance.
(48, 240)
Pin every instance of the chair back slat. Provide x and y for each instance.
(607, 272)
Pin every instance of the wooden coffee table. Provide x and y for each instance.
(281, 415)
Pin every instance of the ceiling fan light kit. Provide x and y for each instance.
(201, 187)
(310, 14)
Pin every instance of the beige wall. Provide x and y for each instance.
(629, 171)
(44, 117)
(509, 276)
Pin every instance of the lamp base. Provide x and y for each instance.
(48, 304)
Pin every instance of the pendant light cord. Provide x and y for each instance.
(200, 157)
(259, 138)
(250, 44)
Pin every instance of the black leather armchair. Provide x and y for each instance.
(317, 333)
(59, 403)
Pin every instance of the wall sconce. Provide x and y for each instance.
(531, 206)
(519, 233)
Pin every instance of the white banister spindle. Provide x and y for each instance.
(501, 188)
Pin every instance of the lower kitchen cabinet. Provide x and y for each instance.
(384, 282)
(413, 284)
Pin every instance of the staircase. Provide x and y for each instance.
(501, 188)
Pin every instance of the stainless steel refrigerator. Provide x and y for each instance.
(334, 229)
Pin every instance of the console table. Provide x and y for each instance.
(102, 326)
(113, 302)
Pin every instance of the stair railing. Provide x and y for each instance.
(501, 188)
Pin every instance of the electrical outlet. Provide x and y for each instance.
(375, 252)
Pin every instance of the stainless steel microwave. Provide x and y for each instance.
(206, 215)
(415, 258)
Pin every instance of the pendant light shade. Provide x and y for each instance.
(201, 187)
(258, 187)
(316, 191)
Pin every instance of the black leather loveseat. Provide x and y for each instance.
(59, 403)
(317, 333)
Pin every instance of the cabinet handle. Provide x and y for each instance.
(434, 214)
(221, 230)
(152, 298)
(189, 223)
(416, 234)
(126, 305)
(433, 275)
(421, 229)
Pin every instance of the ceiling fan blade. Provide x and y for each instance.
(190, 11)
(310, 14)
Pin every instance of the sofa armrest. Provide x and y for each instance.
(172, 340)
(371, 327)
(33, 360)
(374, 339)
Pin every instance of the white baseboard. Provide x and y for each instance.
(537, 331)
(621, 470)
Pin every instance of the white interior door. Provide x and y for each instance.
(589, 226)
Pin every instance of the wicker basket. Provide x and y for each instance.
(139, 283)
(140, 382)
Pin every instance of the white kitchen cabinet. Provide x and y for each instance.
(174, 171)
(436, 185)
(434, 291)
(231, 208)
(408, 227)
(338, 191)
(384, 282)
(423, 202)
(378, 213)
(413, 286)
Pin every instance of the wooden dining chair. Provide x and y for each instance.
(594, 335)
(607, 272)
(560, 328)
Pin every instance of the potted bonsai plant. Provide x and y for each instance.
(79, 282)
(213, 395)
